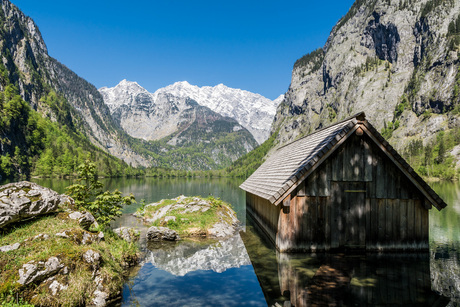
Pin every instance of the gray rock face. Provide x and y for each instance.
(24, 200)
(252, 111)
(380, 52)
(161, 233)
(36, 271)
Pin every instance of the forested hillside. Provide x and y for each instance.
(69, 104)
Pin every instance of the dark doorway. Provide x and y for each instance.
(348, 216)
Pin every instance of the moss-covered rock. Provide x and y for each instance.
(25, 200)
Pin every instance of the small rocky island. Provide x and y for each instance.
(191, 217)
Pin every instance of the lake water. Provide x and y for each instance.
(246, 270)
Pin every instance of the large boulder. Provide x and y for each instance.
(24, 200)
(161, 233)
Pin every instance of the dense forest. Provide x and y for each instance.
(32, 144)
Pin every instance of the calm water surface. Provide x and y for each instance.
(245, 270)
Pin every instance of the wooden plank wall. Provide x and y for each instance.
(393, 216)
(264, 213)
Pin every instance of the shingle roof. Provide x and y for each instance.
(290, 164)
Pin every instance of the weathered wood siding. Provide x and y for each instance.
(264, 213)
(357, 199)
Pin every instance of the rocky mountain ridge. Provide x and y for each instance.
(177, 124)
(398, 61)
(253, 111)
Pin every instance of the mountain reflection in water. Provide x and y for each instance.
(195, 273)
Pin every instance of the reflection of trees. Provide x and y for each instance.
(445, 242)
(445, 272)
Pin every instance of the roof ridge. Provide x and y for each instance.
(356, 116)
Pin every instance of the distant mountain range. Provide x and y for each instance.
(252, 111)
(180, 132)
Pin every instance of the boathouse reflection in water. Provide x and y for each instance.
(300, 279)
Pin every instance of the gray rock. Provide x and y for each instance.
(221, 230)
(128, 234)
(340, 82)
(161, 233)
(92, 257)
(85, 219)
(56, 286)
(169, 218)
(100, 295)
(7, 248)
(36, 271)
(100, 298)
(25, 200)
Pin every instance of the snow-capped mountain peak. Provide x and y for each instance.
(252, 111)
(124, 93)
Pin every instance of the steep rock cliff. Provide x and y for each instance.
(396, 60)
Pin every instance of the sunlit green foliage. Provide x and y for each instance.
(433, 159)
(247, 164)
(89, 195)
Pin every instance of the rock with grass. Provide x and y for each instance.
(190, 217)
(57, 259)
(24, 200)
(85, 219)
(35, 271)
(127, 233)
(81, 236)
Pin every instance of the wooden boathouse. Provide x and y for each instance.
(341, 188)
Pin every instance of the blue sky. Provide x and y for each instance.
(250, 45)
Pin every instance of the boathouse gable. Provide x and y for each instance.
(344, 187)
